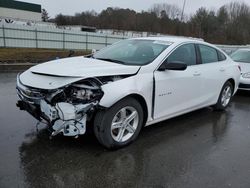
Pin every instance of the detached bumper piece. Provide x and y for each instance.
(65, 118)
(69, 119)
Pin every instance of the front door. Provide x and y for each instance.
(178, 91)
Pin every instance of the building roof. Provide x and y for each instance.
(20, 5)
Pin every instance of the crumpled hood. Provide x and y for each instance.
(58, 73)
(83, 67)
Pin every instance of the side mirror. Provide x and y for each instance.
(178, 66)
(92, 54)
(93, 51)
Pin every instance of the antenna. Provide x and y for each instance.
(182, 13)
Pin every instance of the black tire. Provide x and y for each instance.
(103, 120)
(219, 105)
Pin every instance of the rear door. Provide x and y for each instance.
(213, 69)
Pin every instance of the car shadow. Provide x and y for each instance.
(83, 161)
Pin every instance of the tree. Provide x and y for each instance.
(238, 26)
(61, 20)
(45, 15)
(171, 11)
(229, 25)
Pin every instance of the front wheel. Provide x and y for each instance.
(119, 125)
(225, 96)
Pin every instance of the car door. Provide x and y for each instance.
(178, 91)
(213, 69)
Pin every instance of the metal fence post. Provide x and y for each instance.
(86, 41)
(63, 39)
(36, 38)
(4, 40)
(106, 40)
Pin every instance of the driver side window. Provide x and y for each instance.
(184, 54)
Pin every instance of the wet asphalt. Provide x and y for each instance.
(200, 149)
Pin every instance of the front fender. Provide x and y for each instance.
(141, 84)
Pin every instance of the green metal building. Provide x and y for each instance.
(18, 10)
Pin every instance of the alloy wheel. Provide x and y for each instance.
(124, 124)
(226, 96)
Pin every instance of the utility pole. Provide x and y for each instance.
(182, 13)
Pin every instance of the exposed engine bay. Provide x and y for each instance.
(66, 110)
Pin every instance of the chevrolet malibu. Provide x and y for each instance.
(126, 86)
(242, 56)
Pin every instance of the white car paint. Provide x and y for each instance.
(58, 73)
(167, 94)
(175, 90)
(245, 71)
(83, 67)
(244, 79)
(140, 84)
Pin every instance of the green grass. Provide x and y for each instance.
(16, 55)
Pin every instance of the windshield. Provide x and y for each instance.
(241, 56)
(133, 51)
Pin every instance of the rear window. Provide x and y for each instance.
(221, 56)
(241, 56)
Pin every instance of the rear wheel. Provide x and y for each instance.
(119, 125)
(225, 96)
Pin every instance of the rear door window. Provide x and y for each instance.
(208, 54)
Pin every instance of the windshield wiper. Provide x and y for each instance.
(112, 60)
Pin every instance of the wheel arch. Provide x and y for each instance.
(143, 103)
(140, 99)
(231, 80)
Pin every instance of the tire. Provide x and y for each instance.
(112, 127)
(225, 97)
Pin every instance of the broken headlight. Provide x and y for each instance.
(80, 93)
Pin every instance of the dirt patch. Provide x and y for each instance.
(23, 55)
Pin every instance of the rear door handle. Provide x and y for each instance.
(222, 69)
(197, 74)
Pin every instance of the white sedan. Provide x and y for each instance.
(242, 56)
(128, 85)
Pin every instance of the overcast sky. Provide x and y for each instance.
(70, 7)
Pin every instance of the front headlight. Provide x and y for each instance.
(27, 92)
(246, 75)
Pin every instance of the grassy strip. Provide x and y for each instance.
(21, 55)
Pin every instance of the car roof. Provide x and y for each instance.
(243, 49)
(178, 40)
(173, 39)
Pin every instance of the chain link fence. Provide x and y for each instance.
(34, 37)
(18, 36)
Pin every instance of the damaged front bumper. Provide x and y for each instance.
(63, 117)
